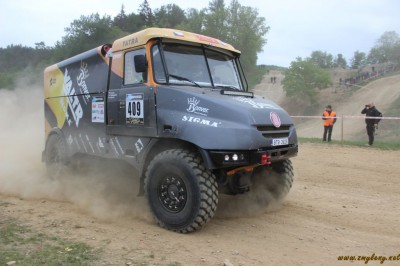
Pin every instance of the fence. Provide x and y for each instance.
(348, 128)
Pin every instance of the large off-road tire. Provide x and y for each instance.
(277, 179)
(56, 156)
(181, 193)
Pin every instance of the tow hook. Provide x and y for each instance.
(265, 159)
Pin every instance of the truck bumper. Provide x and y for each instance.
(233, 159)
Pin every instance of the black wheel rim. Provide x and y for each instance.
(172, 193)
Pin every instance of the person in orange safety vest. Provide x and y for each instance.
(329, 118)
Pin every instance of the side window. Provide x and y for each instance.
(130, 74)
(159, 73)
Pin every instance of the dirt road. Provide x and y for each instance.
(344, 202)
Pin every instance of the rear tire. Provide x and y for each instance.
(56, 156)
(181, 193)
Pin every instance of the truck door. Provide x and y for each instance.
(131, 111)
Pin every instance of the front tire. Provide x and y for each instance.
(181, 193)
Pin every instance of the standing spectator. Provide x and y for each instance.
(372, 119)
(329, 118)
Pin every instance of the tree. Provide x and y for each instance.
(216, 20)
(86, 33)
(238, 25)
(121, 20)
(322, 59)
(359, 59)
(386, 48)
(146, 13)
(194, 20)
(340, 62)
(303, 78)
(128, 23)
(40, 46)
(246, 31)
(169, 16)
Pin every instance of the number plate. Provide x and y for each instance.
(280, 142)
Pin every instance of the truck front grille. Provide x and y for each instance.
(269, 131)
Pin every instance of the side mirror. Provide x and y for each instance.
(140, 63)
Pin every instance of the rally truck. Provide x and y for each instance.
(174, 105)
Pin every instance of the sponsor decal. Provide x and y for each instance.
(117, 55)
(119, 145)
(254, 104)
(98, 109)
(130, 42)
(178, 34)
(207, 39)
(72, 99)
(84, 73)
(200, 121)
(100, 143)
(116, 146)
(70, 140)
(139, 146)
(210, 40)
(134, 109)
(75, 141)
(52, 81)
(112, 95)
(195, 108)
(90, 143)
(113, 147)
(64, 106)
(83, 143)
(276, 121)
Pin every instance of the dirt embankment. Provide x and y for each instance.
(383, 92)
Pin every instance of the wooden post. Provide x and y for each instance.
(341, 140)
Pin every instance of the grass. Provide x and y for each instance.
(26, 247)
(377, 144)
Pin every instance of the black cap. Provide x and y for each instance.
(328, 106)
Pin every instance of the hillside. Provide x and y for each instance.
(273, 91)
(383, 92)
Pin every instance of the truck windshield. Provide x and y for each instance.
(193, 65)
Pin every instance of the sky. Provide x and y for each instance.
(297, 27)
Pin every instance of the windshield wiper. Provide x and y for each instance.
(227, 87)
(184, 79)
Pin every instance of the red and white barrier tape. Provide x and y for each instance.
(347, 117)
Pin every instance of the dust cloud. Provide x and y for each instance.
(104, 191)
(266, 194)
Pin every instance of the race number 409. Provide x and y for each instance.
(134, 109)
